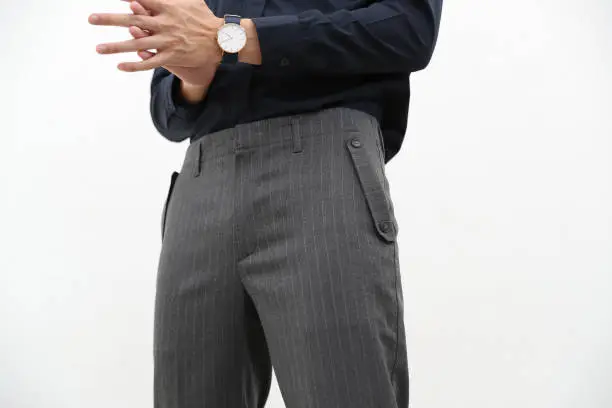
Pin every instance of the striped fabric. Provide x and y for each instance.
(279, 249)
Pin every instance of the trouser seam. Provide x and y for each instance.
(396, 311)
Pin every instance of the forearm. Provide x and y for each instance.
(386, 36)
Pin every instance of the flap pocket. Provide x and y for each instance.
(371, 178)
(173, 178)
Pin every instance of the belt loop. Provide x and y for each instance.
(295, 134)
(198, 160)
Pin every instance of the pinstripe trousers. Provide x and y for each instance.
(279, 251)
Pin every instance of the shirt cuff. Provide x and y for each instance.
(277, 36)
(176, 104)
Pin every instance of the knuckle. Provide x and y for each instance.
(136, 19)
(143, 21)
(173, 42)
(154, 25)
(161, 23)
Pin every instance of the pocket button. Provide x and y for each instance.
(355, 142)
(386, 226)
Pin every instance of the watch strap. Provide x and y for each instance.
(232, 18)
(230, 57)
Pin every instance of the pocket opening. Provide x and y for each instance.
(173, 178)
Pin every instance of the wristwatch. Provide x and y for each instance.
(231, 37)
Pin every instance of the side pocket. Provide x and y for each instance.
(173, 178)
(381, 141)
(373, 186)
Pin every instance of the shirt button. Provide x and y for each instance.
(284, 62)
(355, 142)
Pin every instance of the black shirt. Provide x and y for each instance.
(315, 54)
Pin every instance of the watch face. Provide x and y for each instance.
(231, 37)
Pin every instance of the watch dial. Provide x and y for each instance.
(231, 37)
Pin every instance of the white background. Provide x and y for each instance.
(502, 190)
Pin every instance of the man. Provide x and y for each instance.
(279, 236)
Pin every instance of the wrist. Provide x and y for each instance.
(250, 53)
(192, 93)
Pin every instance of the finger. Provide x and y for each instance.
(156, 61)
(145, 54)
(153, 5)
(145, 43)
(137, 8)
(122, 20)
(137, 32)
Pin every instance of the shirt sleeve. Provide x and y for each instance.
(386, 36)
(172, 115)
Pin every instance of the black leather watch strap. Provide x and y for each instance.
(230, 57)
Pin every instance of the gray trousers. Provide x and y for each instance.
(279, 250)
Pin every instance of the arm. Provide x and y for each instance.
(173, 110)
(386, 36)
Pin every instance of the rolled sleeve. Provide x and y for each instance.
(172, 116)
(177, 103)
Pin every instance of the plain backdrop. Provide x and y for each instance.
(502, 189)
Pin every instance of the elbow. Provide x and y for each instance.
(415, 58)
(423, 58)
(423, 52)
(425, 36)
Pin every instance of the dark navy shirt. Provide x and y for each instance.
(316, 54)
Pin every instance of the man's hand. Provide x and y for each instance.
(184, 33)
(195, 81)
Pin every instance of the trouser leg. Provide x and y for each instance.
(322, 265)
(209, 346)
